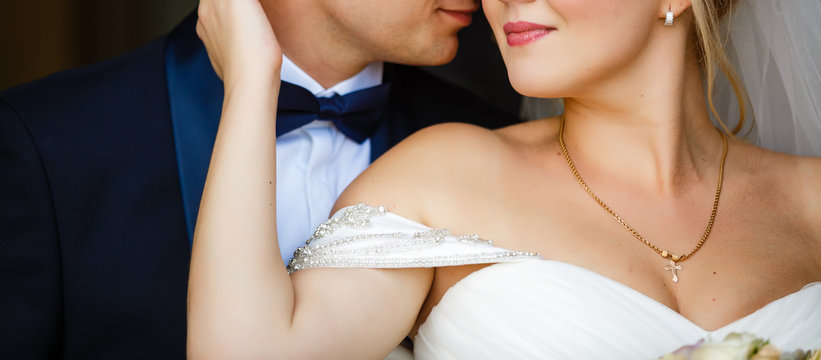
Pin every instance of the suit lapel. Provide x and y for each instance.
(380, 138)
(195, 96)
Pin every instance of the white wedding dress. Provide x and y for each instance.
(523, 307)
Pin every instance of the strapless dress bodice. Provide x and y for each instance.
(524, 307)
(554, 310)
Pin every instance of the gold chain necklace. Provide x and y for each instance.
(673, 266)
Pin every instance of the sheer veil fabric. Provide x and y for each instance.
(775, 46)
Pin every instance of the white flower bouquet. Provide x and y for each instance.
(736, 346)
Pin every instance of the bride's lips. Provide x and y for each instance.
(522, 32)
(463, 16)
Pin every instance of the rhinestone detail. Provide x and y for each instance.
(344, 241)
(355, 217)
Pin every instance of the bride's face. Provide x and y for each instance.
(561, 48)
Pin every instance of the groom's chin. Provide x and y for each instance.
(435, 53)
(443, 56)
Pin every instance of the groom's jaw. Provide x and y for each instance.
(332, 40)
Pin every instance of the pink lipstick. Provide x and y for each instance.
(522, 32)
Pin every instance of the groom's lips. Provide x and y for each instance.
(522, 32)
(463, 16)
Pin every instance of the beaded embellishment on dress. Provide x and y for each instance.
(371, 237)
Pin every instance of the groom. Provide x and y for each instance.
(102, 168)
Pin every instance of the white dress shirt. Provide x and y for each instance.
(316, 162)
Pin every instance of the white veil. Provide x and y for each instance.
(775, 46)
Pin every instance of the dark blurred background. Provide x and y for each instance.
(41, 37)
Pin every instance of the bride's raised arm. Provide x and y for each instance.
(241, 301)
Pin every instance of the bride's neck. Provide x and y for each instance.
(653, 132)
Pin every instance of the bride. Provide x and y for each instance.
(624, 228)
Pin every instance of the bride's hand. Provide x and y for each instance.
(240, 41)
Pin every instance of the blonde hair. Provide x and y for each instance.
(706, 14)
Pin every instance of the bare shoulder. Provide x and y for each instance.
(420, 171)
(808, 192)
(795, 178)
(809, 171)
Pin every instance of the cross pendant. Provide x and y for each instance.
(673, 267)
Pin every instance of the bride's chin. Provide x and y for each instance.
(535, 80)
(536, 87)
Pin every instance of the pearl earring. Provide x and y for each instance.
(668, 19)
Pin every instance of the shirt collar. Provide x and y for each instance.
(370, 76)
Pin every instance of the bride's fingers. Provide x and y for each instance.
(238, 37)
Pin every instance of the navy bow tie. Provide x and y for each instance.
(356, 114)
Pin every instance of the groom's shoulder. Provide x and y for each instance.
(134, 79)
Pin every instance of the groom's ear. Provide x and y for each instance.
(678, 7)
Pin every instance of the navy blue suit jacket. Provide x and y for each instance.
(101, 172)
